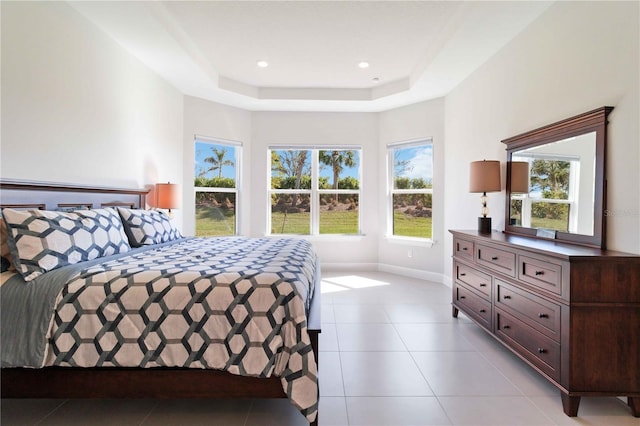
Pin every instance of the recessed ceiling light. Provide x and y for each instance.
(363, 64)
(262, 64)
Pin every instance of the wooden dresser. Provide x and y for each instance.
(571, 312)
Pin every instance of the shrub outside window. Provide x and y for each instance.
(411, 189)
(315, 191)
(217, 172)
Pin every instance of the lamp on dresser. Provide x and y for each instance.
(484, 176)
(167, 196)
(519, 177)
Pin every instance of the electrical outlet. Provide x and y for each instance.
(410, 253)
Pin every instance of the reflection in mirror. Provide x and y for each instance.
(556, 180)
(561, 192)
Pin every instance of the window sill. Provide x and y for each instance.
(409, 241)
(326, 237)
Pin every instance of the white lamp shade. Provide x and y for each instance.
(167, 196)
(519, 177)
(484, 176)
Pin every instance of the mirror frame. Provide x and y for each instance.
(592, 121)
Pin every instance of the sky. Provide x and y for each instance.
(420, 163)
(204, 150)
(419, 159)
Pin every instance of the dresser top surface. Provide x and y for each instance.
(539, 245)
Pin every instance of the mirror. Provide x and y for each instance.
(556, 181)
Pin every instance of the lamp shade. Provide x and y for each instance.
(167, 196)
(484, 176)
(519, 177)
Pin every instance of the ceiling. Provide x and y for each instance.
(416, 50)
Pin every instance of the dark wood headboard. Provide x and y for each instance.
(55, 196)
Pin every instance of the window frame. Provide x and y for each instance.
(572, 194)
(237, 146)
(315, 192)
(391, 190)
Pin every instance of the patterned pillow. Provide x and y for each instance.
(5, 253)
(145, 227)
(43, 240)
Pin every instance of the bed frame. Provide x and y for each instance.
(113, 382)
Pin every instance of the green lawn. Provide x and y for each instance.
(331, 222)
(214, 221)
(409, 226)
(556, 224)
(211, 221)
(291, 223)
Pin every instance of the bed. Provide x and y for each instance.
(174, 318)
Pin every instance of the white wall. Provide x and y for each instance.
(307, 128)
(218, 121)
(576, 57)
(77, 108)
(422, 120)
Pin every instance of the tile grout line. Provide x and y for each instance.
(149, 413)
(51, 412)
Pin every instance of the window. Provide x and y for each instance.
(552, 197)
(410, 188)
(217, 174)
(315, 191)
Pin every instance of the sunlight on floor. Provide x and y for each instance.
(348, 282)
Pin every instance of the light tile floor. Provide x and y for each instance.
(391, 354)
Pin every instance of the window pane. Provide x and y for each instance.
(339, 214)
(290, 169)
(290, 214)
(215, 165)
(413, 167)
(550, 179)
(339, 169)
(516, 212)
(550, 216)
(412, 215)
(215, 214)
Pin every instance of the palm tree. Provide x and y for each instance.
(218, 160)
(291, 163)
(336, 160)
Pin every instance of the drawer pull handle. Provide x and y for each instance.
(464, 249)
(462, 297)
(539, 273)
(506, 296)
(542, 351)
(483, 285)
(462, 274)
(482, 311)
(543, 315)
(505, 327)
(494, 257)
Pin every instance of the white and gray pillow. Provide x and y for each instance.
(42, 240)
(146, 227)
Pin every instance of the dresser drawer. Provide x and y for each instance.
(540, 273)
(463, 249)
(496, 259)
(474, 279)
(534, 346)
(473, 305)
(540, 314)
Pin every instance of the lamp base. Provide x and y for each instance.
(484, 225)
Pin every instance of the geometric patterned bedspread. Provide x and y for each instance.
(235, 304)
